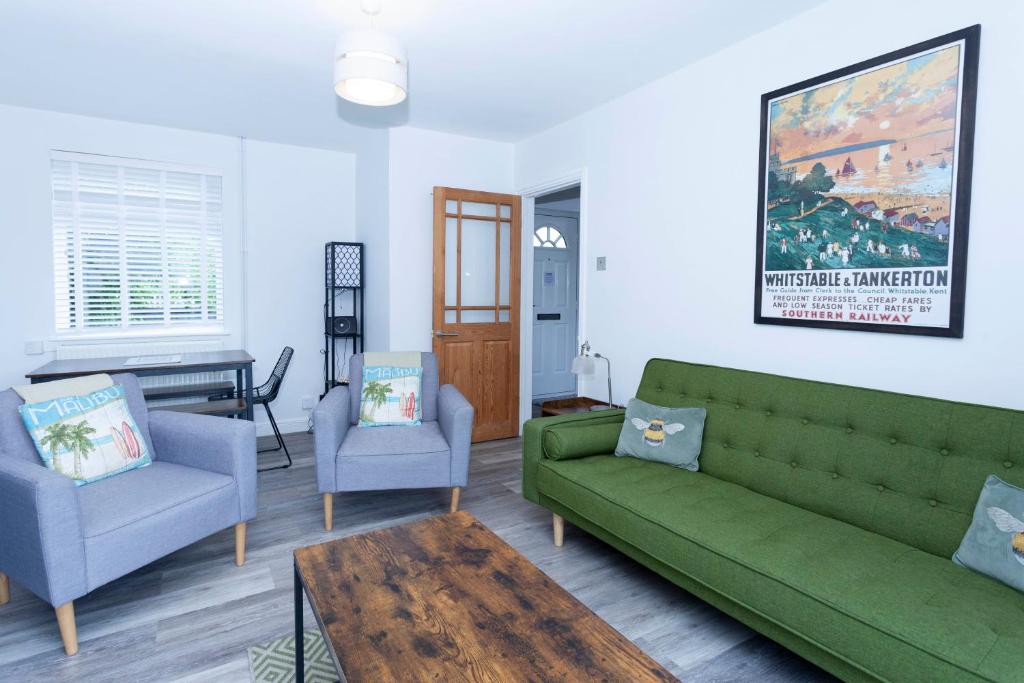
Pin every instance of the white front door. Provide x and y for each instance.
(555, 301)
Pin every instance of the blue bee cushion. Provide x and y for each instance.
(392, 396)
(88, 437)
(994, 543)
(669, 435)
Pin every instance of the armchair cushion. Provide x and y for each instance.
(423, 438)
(212, 444)
(120, 501)
(393, 458)
(136, 518)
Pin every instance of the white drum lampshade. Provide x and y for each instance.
(370, 68)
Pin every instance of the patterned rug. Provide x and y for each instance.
(274, 662)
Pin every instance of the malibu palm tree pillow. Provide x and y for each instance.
(391, 396)
(88, 437)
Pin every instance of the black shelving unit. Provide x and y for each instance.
(343, 279)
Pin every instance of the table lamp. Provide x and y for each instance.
(584, 364)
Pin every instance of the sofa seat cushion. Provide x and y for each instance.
(404, 440)
(140, 516)
(848, 590)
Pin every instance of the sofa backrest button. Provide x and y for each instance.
(933, 502)
(835, 475)
(880, 488)
(805, 421)
(893, 440)
(1007, 464)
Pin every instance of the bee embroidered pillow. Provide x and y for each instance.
(994, 543)
(668, 435)
(88, 437)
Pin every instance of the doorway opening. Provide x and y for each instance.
(556, 269)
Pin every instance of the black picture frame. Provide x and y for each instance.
(963, 160)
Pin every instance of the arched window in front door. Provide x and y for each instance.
(548, 237)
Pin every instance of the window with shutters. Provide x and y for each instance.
(138, 246)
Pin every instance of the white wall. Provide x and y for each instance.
(298, 198)
(419, 160)
(671, 199)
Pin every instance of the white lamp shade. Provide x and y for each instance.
(583, 365)
(370, 68)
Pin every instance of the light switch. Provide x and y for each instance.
(602, 263)
(33, 348)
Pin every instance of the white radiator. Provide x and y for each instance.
(150, 348)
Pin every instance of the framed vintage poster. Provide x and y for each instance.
(864, 197)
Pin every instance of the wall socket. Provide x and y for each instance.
(308, 403)
(602, 263)
(33, 348)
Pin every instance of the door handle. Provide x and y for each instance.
(446, 334)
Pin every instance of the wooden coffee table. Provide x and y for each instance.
(445, 599)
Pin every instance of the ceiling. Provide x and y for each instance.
(499, 69)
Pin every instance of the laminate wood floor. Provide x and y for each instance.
(191, 615)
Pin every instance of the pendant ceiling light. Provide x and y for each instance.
(370, 67)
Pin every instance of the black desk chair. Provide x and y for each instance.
(267, 392)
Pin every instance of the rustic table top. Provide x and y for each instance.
(445, 599)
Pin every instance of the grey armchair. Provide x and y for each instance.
(62, 541)
(434, 454)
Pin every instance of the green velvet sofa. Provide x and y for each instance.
(823, 516)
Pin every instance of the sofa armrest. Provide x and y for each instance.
(455, 414)
(331, 419)
(210, 443)
(568, 441)
(41, 541)
(533, 441)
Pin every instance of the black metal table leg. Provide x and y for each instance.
(238, 385)
(300, 655)
(249, 407)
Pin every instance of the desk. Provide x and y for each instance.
(206, 361)
(568, 406)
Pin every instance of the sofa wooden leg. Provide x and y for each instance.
(456, 491)
(328, 511)
(240, 544)
(5, 589)
(66, 624)
(558, 525)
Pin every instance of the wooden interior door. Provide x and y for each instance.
(476, 303)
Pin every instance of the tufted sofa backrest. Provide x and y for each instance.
(906, 467)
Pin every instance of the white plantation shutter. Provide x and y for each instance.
(137, 245)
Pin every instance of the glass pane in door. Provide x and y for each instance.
(479, 209)
(477, 316)
(504, 263)
(451, 255)
(478, 261)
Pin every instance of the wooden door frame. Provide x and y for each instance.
(528, 193)
(438, 324)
